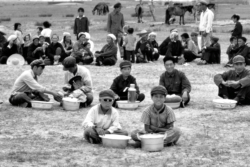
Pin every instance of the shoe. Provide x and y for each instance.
(24, 105)
(202, 62)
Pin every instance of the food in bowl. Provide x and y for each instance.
(224, 103)
(152, 142)
(115, 141)
(173, 101)
(124, 104)
(71, 104)
(42, 105)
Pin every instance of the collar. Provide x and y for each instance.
(32, 73)
(100, 111)
(240, 72)
(81, 17)
(123, 78)
(76, 70)
(171, 75)
(161, 110)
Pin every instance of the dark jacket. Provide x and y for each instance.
(81, 25)
(143, 47)
(154, 44)
(109, 51)
(51, 51)
(115, 23)
(175, 49)
(163, 48)
(31, 50)
(212, 53)
(7, 52)
(237, 31)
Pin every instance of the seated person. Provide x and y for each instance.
(55, 51)
(3, 40)
(25, 46)
(87, 39)
(238, 29)
(190, 49)
(123, 82)
(67, 43)
(72, 70)
(158, 118)
(194, 38)
(35, 50)
(9, 49)
(26, 87)
(175, 81)
(175, 48)
(144, 49)
(154, 44)
(235, 84)
(78, 48)
(231, 50)
(108, 55)
(163, 48)
(211, 54)
(87, 57)
(102, 119)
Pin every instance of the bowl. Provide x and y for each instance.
(71, 104)
(42, 105)
(152, 142)
(173, 101)
(224, 103)
(124, 104)
(115, 141)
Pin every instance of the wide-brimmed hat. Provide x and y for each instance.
(143, 32)
(16, 60)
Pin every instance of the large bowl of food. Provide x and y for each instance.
(43, 105)
(224, 103)
(173, 101)
(126, 105)
(71, 104)
(115, 141)
(152, 142)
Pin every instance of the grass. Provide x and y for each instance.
(210, 137)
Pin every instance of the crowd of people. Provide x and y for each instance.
(45, 49)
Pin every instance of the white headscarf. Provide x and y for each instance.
(12, 38)
(173, 35)
(87, 35)
(112, 36)
(152, 33)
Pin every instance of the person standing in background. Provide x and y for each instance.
(18, 32)
(237, 31)
(206, 23)
(46, 32)
(81, 23)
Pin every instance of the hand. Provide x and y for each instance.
(58, 97)
(185, 96)
(65, 88)
(234, 84)
(117, 97)
(225, 83)
(100, 131)
(153, 128)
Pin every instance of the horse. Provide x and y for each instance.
(178, 11)
(101, 9)
(139, 12)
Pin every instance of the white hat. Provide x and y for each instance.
(112, 36)
(173, 35)
(12, 38)
(15, 59)
(87, 35)
(152, 33)
(80, 34)
(204, 2)
(36, 37)
(66, 34)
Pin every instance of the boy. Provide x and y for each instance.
(102, 119)
(129, 44)
(122, 83)
(81, 23)
(159, 118)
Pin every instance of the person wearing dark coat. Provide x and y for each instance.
(238, 29)
(35, 51)
(235, 84)
(9, 49)
(211, 54)
(143, 50)
(3, 40)
(154, 45)
(164, 45)
(81, 23)
(55, 51)
(232, 48)
(25, 46)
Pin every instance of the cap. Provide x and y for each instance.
(216, 39)
(80, 34)
(74, 79)
(243, 38)
(159, 90)
(125, 64)
(107, 93)
(239, 59)
(69, 62)
(117, 5)
(37, 62)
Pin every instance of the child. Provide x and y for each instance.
(129, 43)
(88, 56)
(46, 32)
(122, 83)
(238, 29)
(159, 118)
(81, 23)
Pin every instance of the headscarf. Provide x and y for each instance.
(112, 36)
(173, 35)
(152, 33)
(87, 35)
(64, 35)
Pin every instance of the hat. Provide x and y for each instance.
(36, 37)
(174, 30)
(80, 34)
(152, 33)
(205, 2)
(112, 36)
(239, 59)
(125, 64)
(173, 35)
(243, 38)
(69, 62)
(107, 93)
(37, 62)
(194, 34)
(117, 5)
(16, 59)
(216, 39)
(159, 90)
(12, 38)
(66, 34)
(75, 79)
(87, 35)
(143, 32)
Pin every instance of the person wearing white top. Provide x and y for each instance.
(206, 23)
(19, 34)
(46, 32)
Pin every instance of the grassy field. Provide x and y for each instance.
(210, 137)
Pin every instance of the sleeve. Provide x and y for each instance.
(218, 78)
(76, 49)
(115, 123)
(210, 22)
(90, 118)
(112, 51)
(114, 85)
(162, 83)
(216, 47)
(75, 27)
(109, 23)
(244, 52)
(190, 45)
(125, 40)
(237, 30)
(169, 50)
(87, 25)
(245, 82)
(145, 118)
(50, 52)
(66, 80)
(87, 81)
(171, 116)
(185, 84)
(33, 84)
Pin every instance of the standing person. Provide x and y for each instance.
(18, 32)
(235, 84)
(129, 43)
(102, 119)
(206, 23)
(190, 49)
(46, 32)
(81, 23)
(237, 31)
(26, 87)
(9, 49)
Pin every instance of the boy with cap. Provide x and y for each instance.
(102, 119)
(27, 88)
(72, 70)
(235, 84)
(121, 83)
(159, 118)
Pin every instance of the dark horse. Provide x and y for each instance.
(178, 11)
(139, 12)
(101, 9)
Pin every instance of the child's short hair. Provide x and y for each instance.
(80, 10)
(130, 30)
